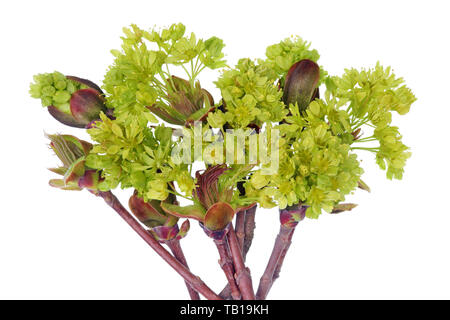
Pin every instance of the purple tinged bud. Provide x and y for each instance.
(185, 226)
(86, 105)
(64, 118)
(164, 233)
(301, 83)
(89, 180)
(150, 213)
(291, 216)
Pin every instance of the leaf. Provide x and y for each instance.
(194, 211)
(341, 207)
(362, 185)
(218, 216)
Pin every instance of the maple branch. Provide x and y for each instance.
(193, 280)
(281, 242)
(175, 247)
(243, 277)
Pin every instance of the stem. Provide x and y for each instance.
(175, 247)
(193, 280)
(281, 243)
(240, 228)
(249, 227)
(227, 266)
(243, 278)
(277, 271)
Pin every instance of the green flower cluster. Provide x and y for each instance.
(54, 89)
(137, 157)
(318, 164)
(370, 97)
(249, 95)
(281, 56)
(140, 76)
(316, 168)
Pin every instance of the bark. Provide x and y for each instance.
(193, 280)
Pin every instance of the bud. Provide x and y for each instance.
(73, 101)
(86, 105)
(72, 152)
(150, 213)
(162, 226)
(301, 84)
(212, 206)
(186, 103)
(292, 215)
(218, 216)
(165, 233)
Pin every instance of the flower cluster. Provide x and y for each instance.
(141, 74)
(249, 95)
(319, 137)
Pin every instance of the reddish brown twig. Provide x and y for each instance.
(240, 228)
(243, 277)
(281, 243)
(276, 273)
(227, 266)
(249, 230)
(175, 247)
(193, 280)
(249, 227)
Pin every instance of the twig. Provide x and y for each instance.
(193, 280)
(175, 247)
(277, 271)
(243, 277)
(227, 266)
(240, 228)
(249, 227)
(281, 243)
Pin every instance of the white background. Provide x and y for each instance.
(63, 245)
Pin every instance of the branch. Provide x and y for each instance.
(277, 271)
(281, 243)
(249, 227)
(175, 247)
(227, 266)
(240, 228)
(243, 278)
(193, 280)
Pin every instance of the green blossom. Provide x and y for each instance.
(250, 96)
